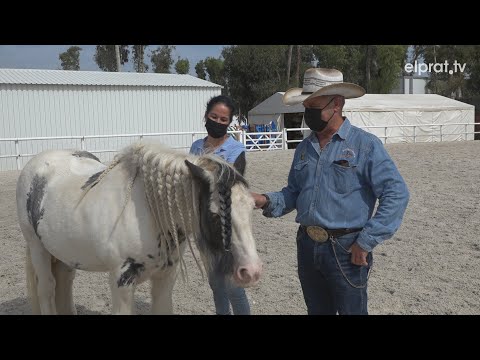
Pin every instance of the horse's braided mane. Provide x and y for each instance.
(168, 188)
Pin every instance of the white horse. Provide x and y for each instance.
(131, 219)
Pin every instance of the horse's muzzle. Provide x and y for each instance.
(248, 275)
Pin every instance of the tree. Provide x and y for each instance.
(388, 67)
(138, 52)
(299, 56)
(162, 59)
(448, 79)
(289, 63)
(214, 70)
(70, 59)
(254, 72)
(346, 58)
(200, 70)
(472, 74)
(117, 58)
(211, 69)
(417, 53)
(105, 56)
(375, 67)
(182, 66)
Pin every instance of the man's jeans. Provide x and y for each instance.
(225, 292)
(325, 289)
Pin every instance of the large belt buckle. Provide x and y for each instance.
(317, 233)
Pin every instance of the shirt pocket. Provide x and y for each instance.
(342, 177)
(301, 172)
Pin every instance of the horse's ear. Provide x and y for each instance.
(240, 163)
(197, 172)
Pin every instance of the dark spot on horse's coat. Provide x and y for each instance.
(85, 154)
(92, 180)
(131, 272)
(150, 256)
(34, 200)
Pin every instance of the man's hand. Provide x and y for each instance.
(260, 200)
(359, 256)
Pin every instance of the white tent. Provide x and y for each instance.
(272, 109)
(425, 111)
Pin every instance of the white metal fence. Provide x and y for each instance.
(258, 141)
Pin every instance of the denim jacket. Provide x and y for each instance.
(338, 187)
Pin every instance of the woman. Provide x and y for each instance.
(218, 116)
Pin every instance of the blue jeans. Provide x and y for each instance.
(224, 293)
(325, 289)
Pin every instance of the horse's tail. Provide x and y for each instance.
(32, 283)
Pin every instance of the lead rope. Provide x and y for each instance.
(333, 242)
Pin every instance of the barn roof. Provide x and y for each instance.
(99, 78)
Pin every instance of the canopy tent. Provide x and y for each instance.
(425, 111)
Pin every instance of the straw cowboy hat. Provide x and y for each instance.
(320, 82)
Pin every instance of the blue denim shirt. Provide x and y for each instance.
(228, 151)
(337, 187)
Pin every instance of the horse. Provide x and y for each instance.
(132, 219)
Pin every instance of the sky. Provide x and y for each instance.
(46, 56)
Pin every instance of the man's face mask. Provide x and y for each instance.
(215, 129)
(313, 118)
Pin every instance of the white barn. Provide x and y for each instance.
(426, 111)
(47, 103)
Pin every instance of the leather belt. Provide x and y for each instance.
(320, 234)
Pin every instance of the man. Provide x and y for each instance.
(337, 175)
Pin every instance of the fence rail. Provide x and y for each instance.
(258, 141)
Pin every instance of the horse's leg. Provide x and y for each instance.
(64, 276)
(162, 288)
(122, 294)
(42, 266)
(32, 283)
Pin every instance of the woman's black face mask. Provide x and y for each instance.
(215, 129)
(313, 118)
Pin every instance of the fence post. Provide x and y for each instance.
(441, 135)
(414, 134)
(17, 150)
(385, 134)
(284, 139)
(244, 138)
(82, 143)
(466, 129)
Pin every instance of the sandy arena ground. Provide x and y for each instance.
(431, 265)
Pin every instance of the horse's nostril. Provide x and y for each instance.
(243, 274)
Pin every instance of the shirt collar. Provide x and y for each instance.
(342, 131)
(222, 147)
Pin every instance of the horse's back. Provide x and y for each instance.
(62, 162)
(54, 166)
(50, 173)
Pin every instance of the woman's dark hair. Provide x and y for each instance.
(221, 99)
